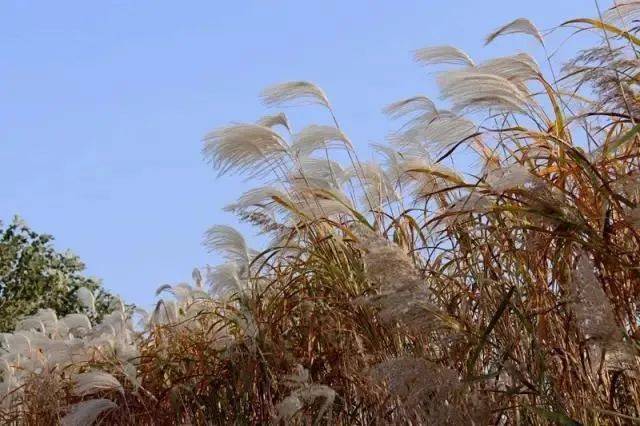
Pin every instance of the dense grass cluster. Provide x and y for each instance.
(397, 292)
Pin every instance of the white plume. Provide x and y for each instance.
(76, 321)
(225, 279)
(426, 177)
(473, 90)
(516, 68)
(196, 275)
(95, 381)
(505, 178)
(439, 131)
(442, 55)
(517, 26)
(624, 12)
(409, 106)
(163, 288)
(294, 92)
(227, 241)
(87, 298)
(318, 172)
(378, 189)
(279, 119)
(316, 137)
(244, 148)
(262, 197)
(85, 413)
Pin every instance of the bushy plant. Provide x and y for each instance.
(33, 275)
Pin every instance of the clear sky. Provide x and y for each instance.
(103, 105)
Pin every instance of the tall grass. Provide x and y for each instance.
(396, 292)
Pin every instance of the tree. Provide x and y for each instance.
(33, 275)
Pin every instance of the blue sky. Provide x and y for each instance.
(103, 106)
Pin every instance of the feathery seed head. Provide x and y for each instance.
(295, 92)
(517, 26)
(248, 149)
(442, 55)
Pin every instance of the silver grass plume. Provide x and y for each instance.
(409, 106)
(412, 380)
(226, 279)
(510, 177)
(162, 289)
(279, 119)
(470, 91)
(93, 382)
(391, 160)
(196, 275)
(411, 143)
(316, 203)
(30, 323)
(319, 173)
(244, 148)
(295, 92)
(442, 55)
(165, 312)
(315, 137)
(594, 313)
(262, 197)
(378, 188)
(230, 243)
(517, 26)
(85, 413)
(76, 322)
(517, 68)
(304, 393)
(401, 293)
(623, 12)
(427, 177)
(87, 298)
(434, 133)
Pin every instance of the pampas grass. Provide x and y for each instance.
(398, 291)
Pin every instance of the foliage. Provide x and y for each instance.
(399, 292)
(33, 275)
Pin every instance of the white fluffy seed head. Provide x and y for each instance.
(470, 91)
(95, 381)
(248, 149)
(378, 187)
(517, 68)
(85, 413)
(592, 308)
(288, 408)
(442, 55)
(623, 13)
(318, 172)
(408, 106)
(87, 298)
(227, 241)
(295, 93)
(510, 177)
(262, 198)
(77, 322)
(315, 137)
(517, 26)
(427, 177)
(226, 279)
(279, 119)
(434, 134)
